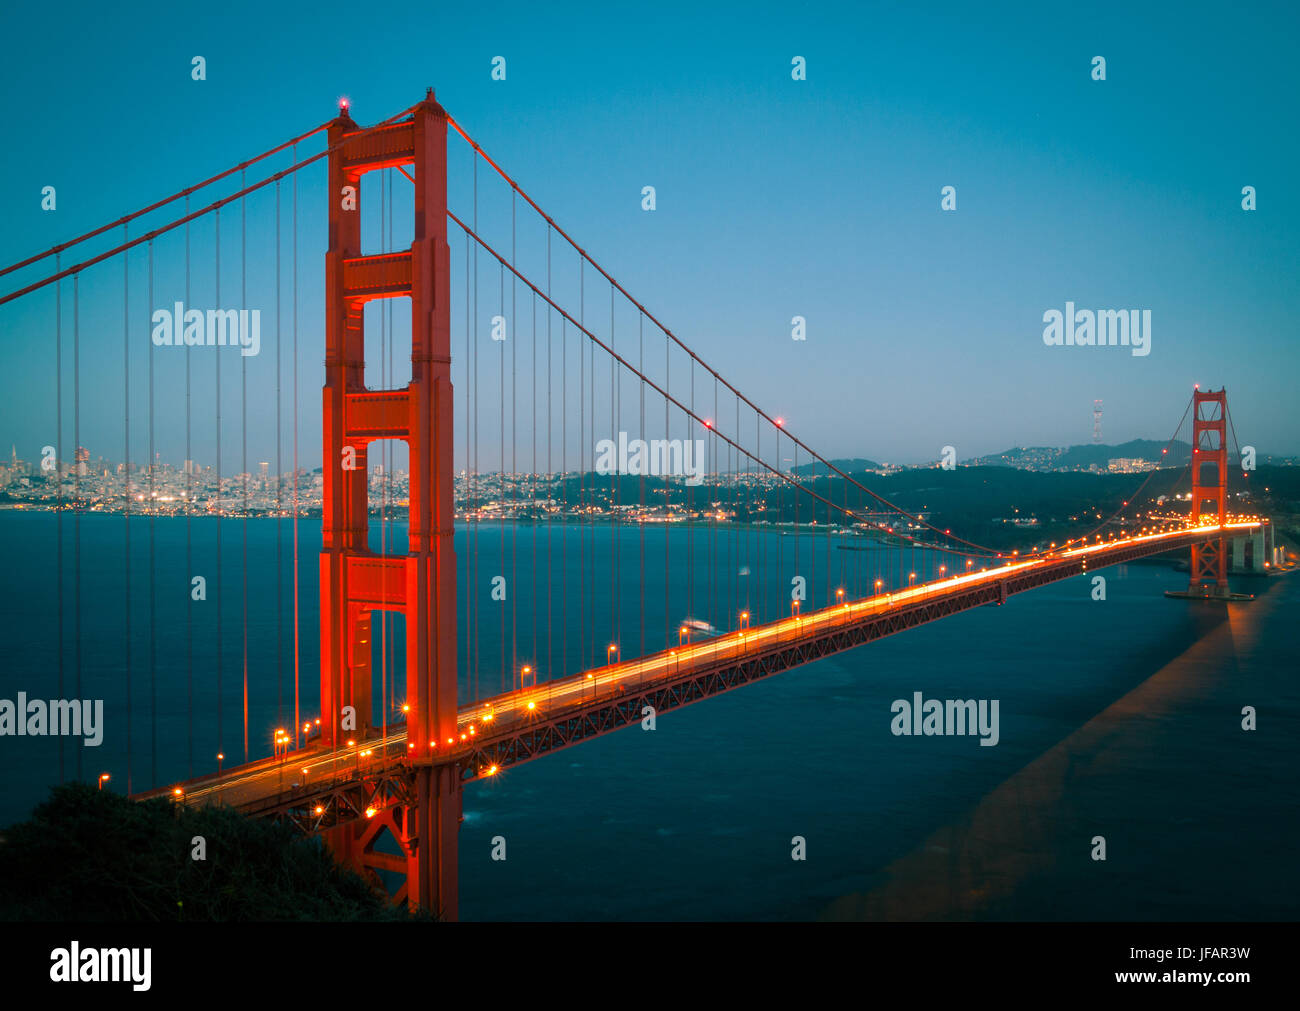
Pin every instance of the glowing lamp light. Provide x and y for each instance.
(370, 812)
(532, 705)
(492, 770)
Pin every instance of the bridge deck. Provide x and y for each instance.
(317, 786)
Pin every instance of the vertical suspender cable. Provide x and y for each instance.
(640, 335)
(550, 511)
(153, 596)
(514, 459)
(475, 475)
(279, 484)
(220, 697)
(58, 478)
(297, 708)
(189, 513)
(582, 477)
(468, 485)
(77, 463)
(564, 491)
(243, 438)
(126, 488)
(536, 608)
(615, 380)
(501, 396)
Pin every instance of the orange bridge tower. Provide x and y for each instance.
(355, 581)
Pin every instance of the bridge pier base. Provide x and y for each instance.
(424, 828)
(432, 866)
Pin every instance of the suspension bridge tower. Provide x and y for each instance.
(1209, 566)
(354, 580)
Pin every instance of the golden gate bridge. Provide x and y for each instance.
(381, 779)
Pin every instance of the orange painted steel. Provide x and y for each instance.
(1209, 562)
(354, 581)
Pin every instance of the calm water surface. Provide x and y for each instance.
(1119, 718)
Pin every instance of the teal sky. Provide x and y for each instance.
(774, 198)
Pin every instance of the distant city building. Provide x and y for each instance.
(1129, 465)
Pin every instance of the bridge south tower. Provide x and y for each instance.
(355, 581)
(1209, 565)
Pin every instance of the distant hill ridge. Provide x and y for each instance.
(853, 466)
(1088, 455)
(1079, 457)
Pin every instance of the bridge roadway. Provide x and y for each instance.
(531, 722)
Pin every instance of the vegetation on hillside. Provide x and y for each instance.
(88, 855)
